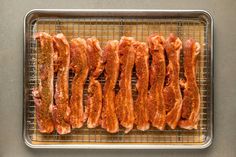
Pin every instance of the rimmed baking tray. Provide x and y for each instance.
(112, 24)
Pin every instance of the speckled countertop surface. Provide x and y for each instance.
(11, 75)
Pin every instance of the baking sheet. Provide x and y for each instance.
(112, 24)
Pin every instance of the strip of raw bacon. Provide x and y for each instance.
(112, 64)
(43, 94)
(191, 95)
(79, 65)
(95, 62)
(172, 93)
(124, 100)
(61, 110)
(156, 105)
(142, 72)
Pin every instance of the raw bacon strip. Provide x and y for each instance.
(112, 64)
(79, 65)
(43, 94)
(96, 67)
(156, 105)
(61, 110)
(124, 100)
(172, 93)
(142, 72)
(191, 95)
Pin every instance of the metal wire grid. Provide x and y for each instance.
(113, 28)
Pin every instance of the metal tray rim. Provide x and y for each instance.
(209, 140)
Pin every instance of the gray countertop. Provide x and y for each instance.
(11, 78)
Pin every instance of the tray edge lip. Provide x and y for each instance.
(118, 11)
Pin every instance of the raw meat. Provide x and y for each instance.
(124, 99)
(172, 93)
(94, 53)
(156, 105)
(142, 72)
(61, 110)
(191, 95)
(112, 64)
(96, 66)
(43, 94)
(79, 65)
